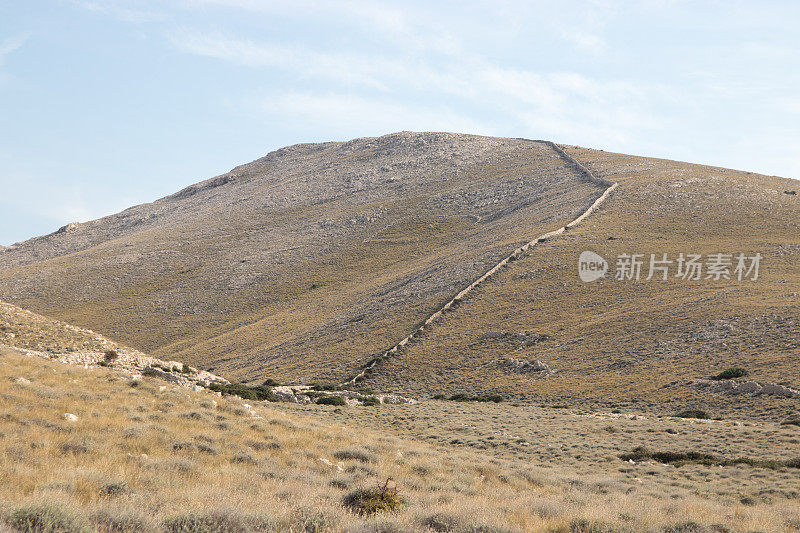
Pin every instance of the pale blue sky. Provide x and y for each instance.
(107, 104)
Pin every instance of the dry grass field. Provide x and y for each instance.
(146, 456)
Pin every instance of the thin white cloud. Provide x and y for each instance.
(11, 44)
(121, 10)
(356, 115)
(553, 103)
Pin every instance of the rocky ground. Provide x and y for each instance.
(303, 264)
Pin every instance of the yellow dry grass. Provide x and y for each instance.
(138, 457)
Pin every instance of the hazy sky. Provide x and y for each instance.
(107, 104)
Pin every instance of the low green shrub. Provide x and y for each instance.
(731, 373)
(641, 453)
(441, 522)
(355, 454)
(583, 525)
(114, 521)
(325, 387)
(216, 522)
(114, 489)
(692, 413)
(370, 401)
(331, 400)
(257, 393)
(47, 518)
(461, 397)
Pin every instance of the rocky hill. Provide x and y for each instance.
(311, 262)
(303, 264)
(620, 340)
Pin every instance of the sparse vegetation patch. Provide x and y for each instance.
(246, 392)
(731, 373)
(383, 498)
(461, 397)
(641, 453)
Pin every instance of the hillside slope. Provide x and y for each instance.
(305, 263)
(623, 341)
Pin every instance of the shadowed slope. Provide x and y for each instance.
(304, 263)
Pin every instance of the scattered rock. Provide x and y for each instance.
(524, 367)
(69, 227)
(22, 381)
(526, 339)
(745, 387)
(69, 417)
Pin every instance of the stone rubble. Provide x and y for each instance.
(745, 387)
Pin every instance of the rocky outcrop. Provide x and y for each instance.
(304, 394)
(524, 367)
(745, 387)
(135, 364)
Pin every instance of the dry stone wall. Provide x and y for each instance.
(516, 254)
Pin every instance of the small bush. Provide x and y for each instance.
(496, 398)
(47, 518)
(114, 489)
(686, 527)
(313, 521)
(257, 393)
(731, 373)
(109, 521)
(693, 413)
(791, 422)
(74, 448)
(582, 525)
(382, 498)
(439, 397)
(681, 458)
(216, 522)
(354, 454)
(110, 355)
(331, 400)
(441, 522)
(381, 526)
(324, 387)
(370, 401)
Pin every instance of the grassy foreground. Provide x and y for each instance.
(146, 456)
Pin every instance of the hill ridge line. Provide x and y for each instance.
(516, 254)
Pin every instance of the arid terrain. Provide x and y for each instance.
(302, 263)
(621, 342)
(535, 402)
(93, 449)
